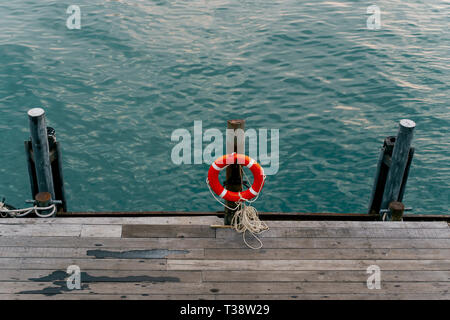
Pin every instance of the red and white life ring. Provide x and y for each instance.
(221, 163)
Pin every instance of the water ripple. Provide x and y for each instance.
(137, 70)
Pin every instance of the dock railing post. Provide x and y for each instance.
(41, 153)
(235, 142)
(398, 165)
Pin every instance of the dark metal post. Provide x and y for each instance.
(43, 199)
(372, 210)
(233, 172)
(396, 210)
(384, 162)
(60, 192)
(56, 163)
(405, 176)
(399, 161)
(41, 154)
(31, 169)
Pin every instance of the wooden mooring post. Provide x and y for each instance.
(41, 151)
(234, 176)
(44, 160)
(393, 169)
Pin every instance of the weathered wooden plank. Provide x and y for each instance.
(101, 253)
(262, 265)
(342, 232)
(101, 231)
(88, 296)
(192, 243)
(338, 296)
(147, 214)
(125, 288)
(94, 264)
(108, 220)
(360, 224)
(297, 296)
(221, 276)
(87, 276)
(60, 230)
(325, 275)
(50, 230)
(165, 231)
(341, 254)
(323, 216)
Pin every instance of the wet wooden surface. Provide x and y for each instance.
(184, 258)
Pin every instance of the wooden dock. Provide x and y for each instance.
(184, 258)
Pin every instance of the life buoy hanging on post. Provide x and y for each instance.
(224, 161)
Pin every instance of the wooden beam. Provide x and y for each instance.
(326, 216)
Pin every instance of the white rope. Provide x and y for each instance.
(53, 207)
(17, 213)
(14, 212)
(2, 214)
(245, 218)
(217, 199)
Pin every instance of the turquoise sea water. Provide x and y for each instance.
(116, 89)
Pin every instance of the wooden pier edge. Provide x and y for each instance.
(185, 258)
(263, 215)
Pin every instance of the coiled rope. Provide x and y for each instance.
(17, 213)
(245, 217)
